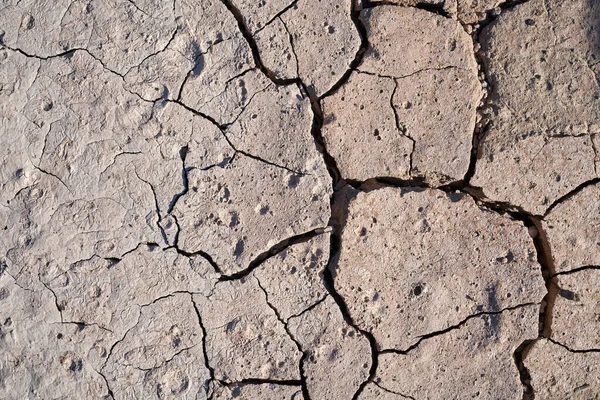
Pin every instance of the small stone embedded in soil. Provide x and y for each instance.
(400, 257)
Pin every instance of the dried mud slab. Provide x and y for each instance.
(293, 279)
(557, 373)
(337, 358)
(417, 261)
(540, 59)
(418, 105)
(475, 360)
(33, 341)
(244, 337)
(266, 391)
(573, 230)
(576, 311)
(161, 356)
(240, 211)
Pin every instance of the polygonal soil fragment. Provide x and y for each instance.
(419, 106)
(416, 261)
(576, 311)
(293, 279)
(161, 356)
(475, 360)
(276, 126)
(539, 58)
(557, 373)
(240, 211)
(265, 391)
(573, 230)
(324, 40)
(33, 341)
(337, 357)
(360, 130)
(244, 337)
(276, 51)
(119, 33)
(108, 293)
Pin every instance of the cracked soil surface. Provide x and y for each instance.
(299, 199)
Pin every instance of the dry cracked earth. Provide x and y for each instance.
(315, 199)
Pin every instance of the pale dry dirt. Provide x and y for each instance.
(299, 199)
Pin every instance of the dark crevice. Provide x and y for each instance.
(211, 370)
(200, 253)
(433, 8)
(305, 354)
(184, 178)
(430, 335)
(274, 250)
(524, 375)
(545, 259)
(160, 228)
(338, 222)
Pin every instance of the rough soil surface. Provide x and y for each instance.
(294, 199)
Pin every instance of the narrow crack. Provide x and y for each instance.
(572, 193)
(430, 335)
(211, 370)
(573, 350)
(393, 392)
(303, 383)
(575, 270)
(360, 53)
(274, 250)
(277, 16)
(402, 130)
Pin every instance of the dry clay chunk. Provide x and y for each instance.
(576, 312)
(473, 361)
(33, 342)
(264, 391)
(546, 100)
(360, 130)
(338, 357)
(276, 126)
(417, 261)
(161, 356)
(237, 212)
(557, 373)
(325, 41)
(293, 279)
(109, 293)
(244, 337)
(434, 99)
(119, 33)
(573, 230)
